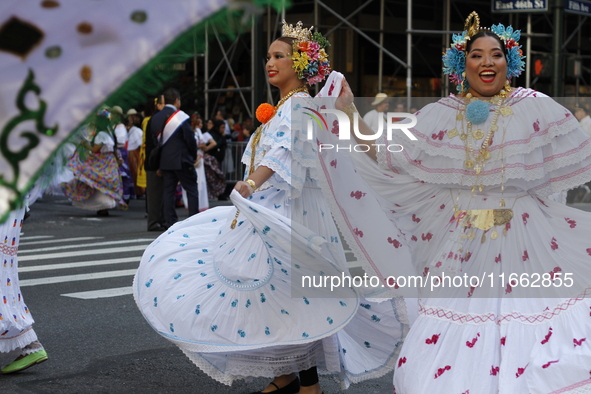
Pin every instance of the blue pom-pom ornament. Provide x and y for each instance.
(477, 112)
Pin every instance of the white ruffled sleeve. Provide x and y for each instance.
(539, 147)
(103, 138)
(284, 148)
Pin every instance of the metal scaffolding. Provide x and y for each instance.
(326, 9)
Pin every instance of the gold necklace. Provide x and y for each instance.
(302, 88)
(257, 137)
(484, 219)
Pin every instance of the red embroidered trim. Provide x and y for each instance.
(573, 386)
(464, 318)
(9, 250)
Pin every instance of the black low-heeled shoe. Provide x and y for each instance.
(292, 388)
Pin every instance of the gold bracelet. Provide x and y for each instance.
(251, 184)
(350, 111)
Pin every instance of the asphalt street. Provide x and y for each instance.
(76, 271)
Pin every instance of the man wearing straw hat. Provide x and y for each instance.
(378, 114)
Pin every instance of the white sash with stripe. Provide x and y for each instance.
(172, 125)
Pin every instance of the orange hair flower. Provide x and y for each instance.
(265, 112)
(304, 46)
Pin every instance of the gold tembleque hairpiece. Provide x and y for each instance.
(299, 32)
(472, 24)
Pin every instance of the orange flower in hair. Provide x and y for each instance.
(265, 112)
(304, 46)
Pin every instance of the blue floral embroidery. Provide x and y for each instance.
(185, 236)
(267, 332)
(277, 261)
(252, 256)
(342, 303)
(263, 298)
(171, 327)
(149, 283)
(305, 335)
(248, 303)
(203, 274)
(329, 320)
(375, 318)
(177, 276)
(197, 311)
(200, 262)
(213, 328)
(367, 344)
(172, 260)
(204, 250)
(366, 306)
(277, 206)
(272, 287)
(284, 312)
(180, 296)
(234, 303)
(306, 301)
(252, 209)
(156, 301)
(266, 229)
(222, 295)
(241, 333)
(210, 285)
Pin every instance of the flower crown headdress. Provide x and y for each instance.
(310, 60)
(454, 58)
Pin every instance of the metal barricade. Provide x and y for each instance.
(234, 169)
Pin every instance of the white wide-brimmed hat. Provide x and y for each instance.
(131, 111)
(379, 98)
(116, 110)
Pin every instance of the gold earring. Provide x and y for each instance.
(464, 80)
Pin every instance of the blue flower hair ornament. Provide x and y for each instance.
(454, 58)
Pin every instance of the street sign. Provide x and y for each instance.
(578, 7)
(514, 6)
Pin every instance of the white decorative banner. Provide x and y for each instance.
(60, 59)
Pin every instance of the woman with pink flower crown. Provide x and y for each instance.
(224, 285)
(468, 199)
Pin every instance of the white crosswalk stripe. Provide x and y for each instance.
(84, 253)
(79, 253)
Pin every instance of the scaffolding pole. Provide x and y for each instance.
(409, 55)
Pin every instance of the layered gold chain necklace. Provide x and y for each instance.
(476, 112)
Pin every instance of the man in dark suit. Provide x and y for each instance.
(154, 182)
(172, 130)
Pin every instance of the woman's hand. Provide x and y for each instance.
(244, 189)
(345, 96)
